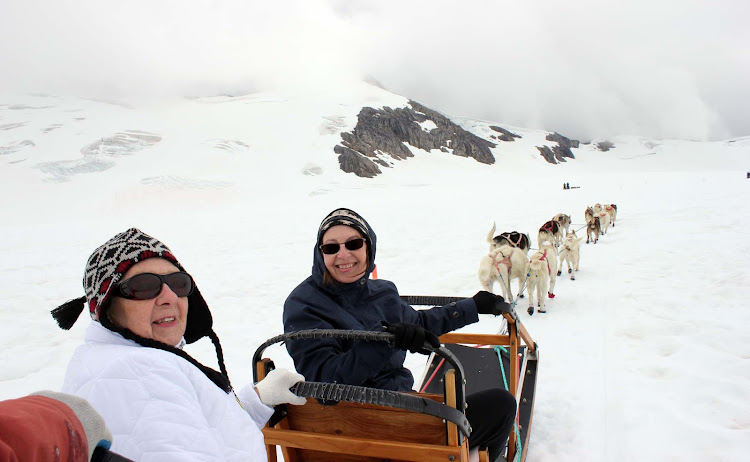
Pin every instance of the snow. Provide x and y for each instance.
(645, 356)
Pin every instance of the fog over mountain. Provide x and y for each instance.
(585, 68)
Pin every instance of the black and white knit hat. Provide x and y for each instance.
(344, 217)
(108, 264)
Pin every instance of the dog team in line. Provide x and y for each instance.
(508, 257)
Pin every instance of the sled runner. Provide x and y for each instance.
(359, 424)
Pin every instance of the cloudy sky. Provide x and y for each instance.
(586, 68)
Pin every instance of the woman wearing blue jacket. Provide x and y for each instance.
(340, 295)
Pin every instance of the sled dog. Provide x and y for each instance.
(550, 232)
(563, 221)
(589, 214)
(593, 229)
(541, 273)
(502, 265)
(570, 254)
(612, 210)
(511, 238)
(603, 221)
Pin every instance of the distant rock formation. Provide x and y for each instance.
(558, 153)
(11, 148)
(505, 134)
(605, 146)
(384, 135)
(120, 144)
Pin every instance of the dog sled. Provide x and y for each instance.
(359, 424)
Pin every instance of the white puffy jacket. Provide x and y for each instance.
(160, 407)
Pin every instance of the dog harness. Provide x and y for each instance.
(544, 258)
(506, 261)
(549, 226)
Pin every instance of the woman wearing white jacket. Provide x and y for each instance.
(159, 402)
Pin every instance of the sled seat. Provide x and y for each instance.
(387, 431)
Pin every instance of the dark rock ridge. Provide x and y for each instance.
(605, 146)
(505, 134)
(559, 153)
(384, 135)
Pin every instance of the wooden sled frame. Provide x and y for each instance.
(357, 432)
(521, 373)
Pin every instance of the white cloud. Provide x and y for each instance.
(585, 68)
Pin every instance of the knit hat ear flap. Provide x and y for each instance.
(67, 313)
(199, 320)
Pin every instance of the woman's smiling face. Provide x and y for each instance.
(162, 318)
(346, 265)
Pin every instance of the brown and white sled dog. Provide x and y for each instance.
(541, 274)
(502, 265)
(549, 232)
(570, 254)
(593, 229)
(612, 210)
(511, 238)
(563, 221)
(589, 214)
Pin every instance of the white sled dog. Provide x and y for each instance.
(612, 210)
(570, 254)
(541, 273)
(604, 220)
(502, 265)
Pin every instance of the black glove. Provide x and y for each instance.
(411, 337)
(489, 303)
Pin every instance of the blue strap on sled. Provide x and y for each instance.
(498, 349)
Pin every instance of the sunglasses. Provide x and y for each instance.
(333, 249)
(146, 286)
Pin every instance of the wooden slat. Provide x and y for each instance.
(397, 451)
(526, 337)
(475, 339)
(450, 400)
(358, 420)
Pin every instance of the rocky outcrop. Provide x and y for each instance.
(385, 135)
(605, 146)
(505, 135)
(559, 153)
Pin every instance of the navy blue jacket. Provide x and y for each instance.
(360, 305)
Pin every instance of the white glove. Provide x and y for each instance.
(274, 389)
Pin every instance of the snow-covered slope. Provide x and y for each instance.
(643, 357)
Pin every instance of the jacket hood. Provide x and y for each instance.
(347, 217)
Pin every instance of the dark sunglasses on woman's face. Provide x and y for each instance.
(332, 249)
(146, 286)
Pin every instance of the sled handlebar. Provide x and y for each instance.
(368, 336)
(394, 399)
